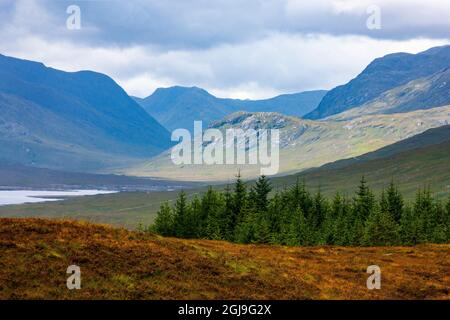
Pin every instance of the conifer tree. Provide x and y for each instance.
(263, 232)
(251, 201)
(301, 197)
(423, 211)
(363, 205)
(448, 207)
(194, 224)
(181, 217)
(239, 199)
(410, 231)
(262, 189)
(380, 229)
(213, 223)
(230, 220)
(164, 221)
(332, 218)
(246, 229)
(384, 205)
(364, 201)
(298, 232)
(319, 211)
(394, 201)
(439, 233)
(344, 221)
(278, 217)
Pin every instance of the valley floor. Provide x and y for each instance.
(120, 264)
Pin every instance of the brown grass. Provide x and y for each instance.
(119, 264)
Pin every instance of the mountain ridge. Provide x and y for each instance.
(419, 94)
(380, 75)
(166, 105)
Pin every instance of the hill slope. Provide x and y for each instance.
(73, 121)
(304, 143)
(167, 104)
(118, 264)
(428, 138)
(380, 75)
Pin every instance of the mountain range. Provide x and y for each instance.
(85, 122)
(178, 107)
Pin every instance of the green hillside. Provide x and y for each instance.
(430, 137)
(412, 169)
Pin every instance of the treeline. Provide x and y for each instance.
(297, 217)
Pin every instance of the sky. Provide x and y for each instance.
(248, 49)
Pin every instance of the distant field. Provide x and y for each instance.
(126, 209)
(118, 264)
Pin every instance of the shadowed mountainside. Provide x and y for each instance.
(77, 121)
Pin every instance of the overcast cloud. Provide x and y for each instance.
(246, 49)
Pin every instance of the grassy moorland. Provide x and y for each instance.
(124, 209)
(120, 264)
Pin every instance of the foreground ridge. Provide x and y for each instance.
(121, 264)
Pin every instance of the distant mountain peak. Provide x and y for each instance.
(180, 90)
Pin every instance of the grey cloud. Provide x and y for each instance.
(202, 23)
(245, 48)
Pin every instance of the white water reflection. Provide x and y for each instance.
(33, 196)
